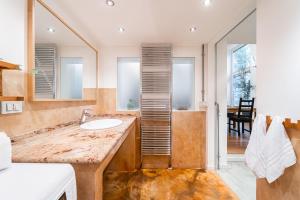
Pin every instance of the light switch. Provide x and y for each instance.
(9, 107)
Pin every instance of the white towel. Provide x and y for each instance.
(253, 154)
(5, 151)
(278, 150)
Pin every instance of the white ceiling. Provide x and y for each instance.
(153, 20)
(62, 36)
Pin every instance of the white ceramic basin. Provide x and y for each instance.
(101, 124)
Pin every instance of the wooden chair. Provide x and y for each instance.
(243, 116)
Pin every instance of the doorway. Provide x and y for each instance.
(241, 79)
(235, 80)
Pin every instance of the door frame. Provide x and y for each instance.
(218, 153)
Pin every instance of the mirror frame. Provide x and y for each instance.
(31, 51)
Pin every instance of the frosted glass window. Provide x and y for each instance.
(183, 83)
(128, 91)
(71, 78)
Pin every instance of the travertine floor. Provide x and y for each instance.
(165, 184)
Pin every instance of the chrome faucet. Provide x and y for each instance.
(84, 115)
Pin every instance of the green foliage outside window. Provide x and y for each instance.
(243, 60)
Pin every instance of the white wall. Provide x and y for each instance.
(12, 35)
(278, 57)
(108, 64)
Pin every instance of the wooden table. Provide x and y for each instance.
(235, 109)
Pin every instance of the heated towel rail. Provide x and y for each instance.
(156, 101)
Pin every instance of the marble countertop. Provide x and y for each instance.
(69, 143)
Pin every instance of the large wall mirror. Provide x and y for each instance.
(63, 63)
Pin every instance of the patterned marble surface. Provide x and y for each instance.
(67, 143)
(166, 184)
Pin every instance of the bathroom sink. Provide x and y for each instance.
(101, 124)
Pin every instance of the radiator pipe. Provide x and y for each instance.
(203, 63)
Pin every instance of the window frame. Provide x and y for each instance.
(117, 99)
(193, 106)
(232, 73)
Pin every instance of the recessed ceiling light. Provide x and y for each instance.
(110, 2)
(121, 29)
(193, 29)
(51, 30)
(207, 3)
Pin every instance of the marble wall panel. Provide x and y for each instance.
(188, 139)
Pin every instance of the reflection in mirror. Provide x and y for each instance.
(65, 64)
